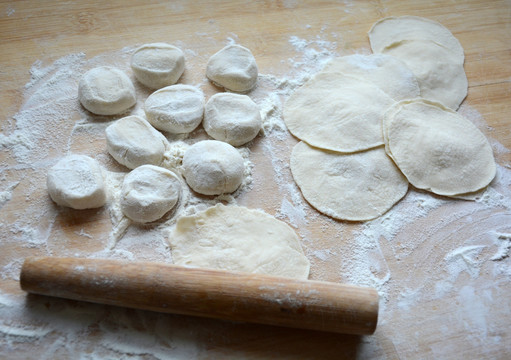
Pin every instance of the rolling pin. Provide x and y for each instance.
(220, 294)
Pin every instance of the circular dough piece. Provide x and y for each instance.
(132, 141)
(334, 111)
(76, 181)
(387, 72)
(213, 167)
(437, 149)
(357, 187)
(440, 74)
(149, 192)
(158, 65)
(232, 118)
(390, 30)
(238, 239)
(177, 109)
(106, 90)
(233, 68)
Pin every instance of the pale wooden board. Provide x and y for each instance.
(48, 30)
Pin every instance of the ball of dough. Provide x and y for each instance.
(149, 192)
(234, 68)
(232, 118)
(106, 90)
(158, 65)
(132, 141)
(76, 181)
(213, 167)
(176, 109)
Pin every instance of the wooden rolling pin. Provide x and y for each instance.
(218, 294)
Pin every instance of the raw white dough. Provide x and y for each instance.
(437, 149)
(337, 112)
(232, 118)
(357, 187)
(106, 90)
(387, 72)
(158, 65)
(213, 167)
(234, 68)
(440, 74)
(149, 192)
(390, 30)
(132, 141)
(76, 181)
(238, 239)
(176, 109)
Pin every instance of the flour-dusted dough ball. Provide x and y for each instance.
(437, 149)
(232, 118)
(238, 239)
(158, 65)
(149, 192)
(213, 167)
(132, 141)
(106, 90)
(177, 109)
(76, 181)
(337, 112)
(233, 68)
(357, 187)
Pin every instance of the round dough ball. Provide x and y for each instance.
(177, 109)
(232, 118)
(132, 141)
(158, 65)
(106, 90)
(238, 239)
(437, 149)
(76, 181)
(357, 187)
(213, 167)
(149, 192)
(233, 68)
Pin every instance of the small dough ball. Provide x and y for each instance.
(149, 192)
(158, 65)
(234, 68)
(232, 118)
(177, 109)
(76, 181)
(213, 167)
(132, 141)
(106, 90)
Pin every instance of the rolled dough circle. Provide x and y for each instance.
(106, 90)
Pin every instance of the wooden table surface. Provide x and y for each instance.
(470, 320)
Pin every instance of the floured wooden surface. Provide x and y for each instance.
(442, 266)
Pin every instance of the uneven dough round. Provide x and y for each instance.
(437, 149)
(158, 65)
(357, 187)
(149, 192)
(106, 90)
(238, 239)
(337, 112)
(213, 167)
(390, 30)
(177, 109)
(440, 74)
(234, 68)
(76, 181)
(387, 72)
(232, 118)
(132, 141)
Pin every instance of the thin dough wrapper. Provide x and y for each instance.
(238, 239)
(437, 149)
(356, 187)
